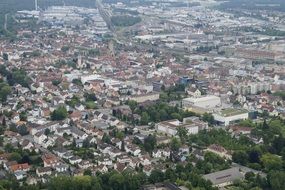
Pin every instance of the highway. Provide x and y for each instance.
(105, 15)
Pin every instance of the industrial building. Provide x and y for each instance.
(229, 116)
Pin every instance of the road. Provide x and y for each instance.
(105, 15)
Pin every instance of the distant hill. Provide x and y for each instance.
(16, 5)
(277, 5)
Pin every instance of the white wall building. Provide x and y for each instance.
(230, 116)
(170, 127)
(206, 102)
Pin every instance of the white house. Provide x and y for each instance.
(20, 175)
(135, 150)
(61, 168)
(43, 171)
(168, 127)
(75, 160)
(194, 92)
(39, 137)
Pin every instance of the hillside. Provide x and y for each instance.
(277, 5)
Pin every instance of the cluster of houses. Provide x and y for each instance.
(93, 80)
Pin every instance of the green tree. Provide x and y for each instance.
(163, 114)
(163, 97)
(176, 116)
(117, 181)
(90, 97)
(47, 132)
(23, 130)
(56, 82)
(125, 20)
(170, 174)
(133, 105)
(145, 118)
(246, 123)
(23, 116)
(77, 82)
(106, 138)
(276, 180)
(254, 155)
(208, 118)
(182, 133)
(93, 52)
(175, 144)
(59, 183)
(65, 49)
(15, 157)
(134, 181)
(271, 162)
(73, 101)
(59, 114)
(5, 56)
(5, 90)
(90, 105)
(9, 148)
(150, 143)
(87, 172)
(18, 76)
(240, 157)
(120, 135)
(156, 176)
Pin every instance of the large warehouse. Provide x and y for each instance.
(206, 102)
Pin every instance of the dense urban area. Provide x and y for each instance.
(142, 94)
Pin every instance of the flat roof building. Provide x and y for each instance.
(225, 177)
(229, 116)
(205, 102)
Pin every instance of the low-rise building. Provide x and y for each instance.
(170, 127)
(221, 151)
(230, 116)
(205, 102)
(225, 177)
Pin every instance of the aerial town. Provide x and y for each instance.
(142, 94)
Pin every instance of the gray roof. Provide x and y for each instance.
(76, 131)
(44, 169)
(224, 176)
(101, 124)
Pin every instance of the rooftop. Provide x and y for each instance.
(224, 176)
(205, 98)
(231, 112)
